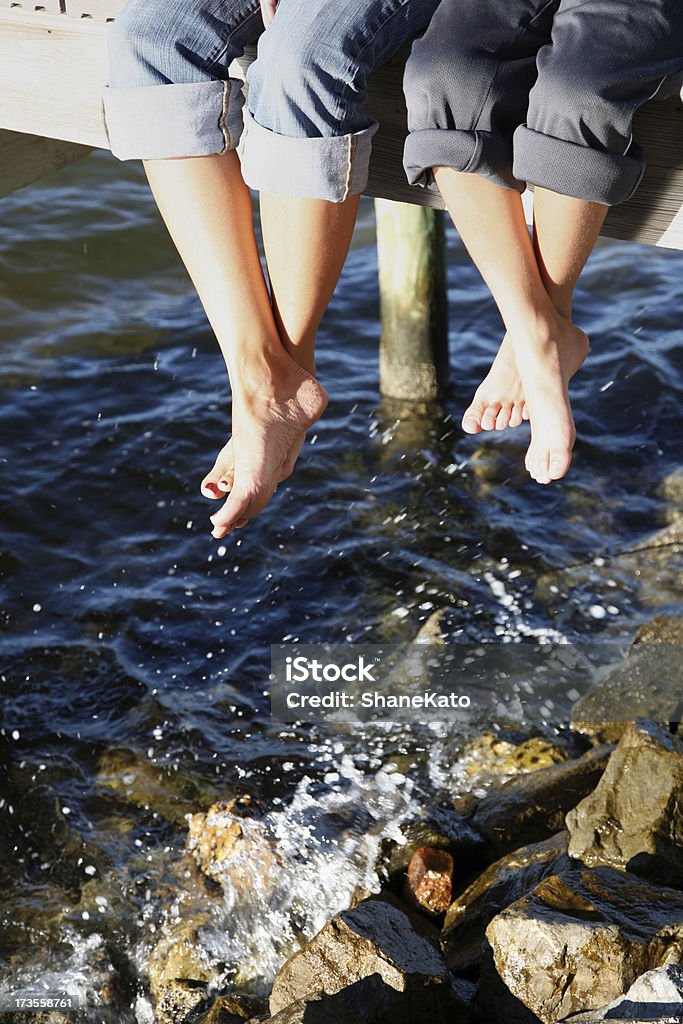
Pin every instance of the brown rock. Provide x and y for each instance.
(230, 1010)
(504, 882)
(441, 829)
(634, 818)
(230, 846)
(429, 879)
(371, 952)
(531, 807)
(177, 1000)
(647, 685)
(576, 942)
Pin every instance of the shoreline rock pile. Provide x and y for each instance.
(557, 896)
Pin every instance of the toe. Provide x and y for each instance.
(503, 417)
(220, 479)
(516, 415)
(234, 510)
(559, 462)
(526, 415)
(488, 420)
(471, 421)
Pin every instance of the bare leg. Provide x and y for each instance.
(565, 231)
(546, 345)
(207, 208)
(306, 242)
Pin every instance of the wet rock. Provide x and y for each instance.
(429, 880)
(655, 995)
(53, 1017)
(496, 755)
(175, 951)
(647, 685)
(531, 807)
(440, 829)
(177, 1001)
(504, 882)
(229, 845)
(135, 780)
(231, 1010)
(371, 953)
(664, 629)
(576, 942)
(433, 630)
(634, 818)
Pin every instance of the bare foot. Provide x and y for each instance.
(221, 478)
(499, 400)
(546, 366)
(270, 420)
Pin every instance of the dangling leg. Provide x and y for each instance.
(307, 151)
(565, 231)
(545, 345)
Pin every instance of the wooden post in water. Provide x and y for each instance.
(411, 247)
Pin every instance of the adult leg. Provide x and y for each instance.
(170, 101)
(308, 146)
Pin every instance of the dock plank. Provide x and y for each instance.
(27, 158)
(64, 102)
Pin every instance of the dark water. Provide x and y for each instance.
(135, 647)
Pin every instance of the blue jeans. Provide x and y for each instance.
(170, 93)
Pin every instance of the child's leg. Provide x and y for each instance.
(545, 345)
(467, 85)
(565, 231)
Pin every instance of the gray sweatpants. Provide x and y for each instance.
(540, 92)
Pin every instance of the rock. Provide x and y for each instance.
(664, 629)
(371, 953)
(319, 1009)
(52, 1017)
(174, 948)
(231, 1010)
(374, 1002)
(495, 755)
(504, 882)
(433, 630)
(229, 845)
(647, 685)
(653, 995)
(440, 829)
(429, 880)
(633, 819)
(576, 942)
(136, 781)
(531, 807)
(177, 1001)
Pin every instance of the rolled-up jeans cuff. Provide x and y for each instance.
(320, 168)
(161, 121)
(575, 170)
(483, 153)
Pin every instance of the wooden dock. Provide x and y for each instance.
(53, 65)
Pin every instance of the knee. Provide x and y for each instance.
(146, 47)
(566, 102)
(444, 84)
(297, 87)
